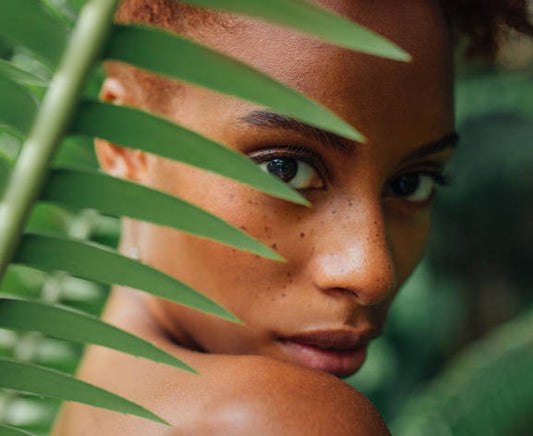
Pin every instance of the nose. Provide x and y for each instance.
(352, 256)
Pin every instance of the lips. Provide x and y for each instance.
(338, 352)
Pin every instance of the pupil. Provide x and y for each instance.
(406, 185)
(285, 169)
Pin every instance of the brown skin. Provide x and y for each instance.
(347, 256)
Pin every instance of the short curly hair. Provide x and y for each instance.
(483, 23)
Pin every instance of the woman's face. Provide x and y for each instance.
(350, 252)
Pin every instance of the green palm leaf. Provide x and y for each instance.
(53, 119)
(314, 20)
(29, 24)
(17, 105)
(25, 377)
(83, 189)
(11, 431)
(140, 130)
(16, 74)
(71, 325)
(196, 64)
(101, 264)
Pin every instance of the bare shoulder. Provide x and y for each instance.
(269, 397)
(234, 395)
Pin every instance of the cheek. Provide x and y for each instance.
(233, 278)
(407, 237)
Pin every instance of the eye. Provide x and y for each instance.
(294, 172)
(416, 187)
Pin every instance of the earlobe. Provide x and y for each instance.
(119, 161)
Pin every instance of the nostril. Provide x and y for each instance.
(348, 292)
(344, 291)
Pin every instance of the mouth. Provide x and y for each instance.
(337, 352)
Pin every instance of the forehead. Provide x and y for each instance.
(383, 98)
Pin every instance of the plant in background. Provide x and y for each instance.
(36, 178)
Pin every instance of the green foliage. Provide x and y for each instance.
(17, 106)
(25, 22)
(11, 431)
(486, 390)
(79, 189)
(70, 325)
(27, 377)
(104, 265)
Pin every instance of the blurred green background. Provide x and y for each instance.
(457, 354)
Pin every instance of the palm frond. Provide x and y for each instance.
(71, 325)
(26, 377)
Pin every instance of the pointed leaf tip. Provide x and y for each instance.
(39, 380)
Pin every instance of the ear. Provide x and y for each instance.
(119, 161)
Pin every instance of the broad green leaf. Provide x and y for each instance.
(71, 325)
(202, 66)
(11, 431)
(26, 377)
(140, 130)
(27, 23)
(111, 195)
(101, 264)
(16, 74)
(17, 105)
(312, 19)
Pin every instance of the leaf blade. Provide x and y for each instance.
(84, 188)
(26, 377)
(140, 130)
(313, 20)
(101, 264)
(29, 24)
(18, 75)
(17, 105)
(71, 325)
(12, 431)
(195, 64)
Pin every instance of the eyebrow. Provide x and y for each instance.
(267, 119)
(449, 141)
(272, 120)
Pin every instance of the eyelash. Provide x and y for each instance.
(438, 173)
(293, 152)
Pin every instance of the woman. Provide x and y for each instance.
(307, 321)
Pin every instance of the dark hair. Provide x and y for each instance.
(483, 23)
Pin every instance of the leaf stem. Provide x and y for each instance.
(29, 175)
